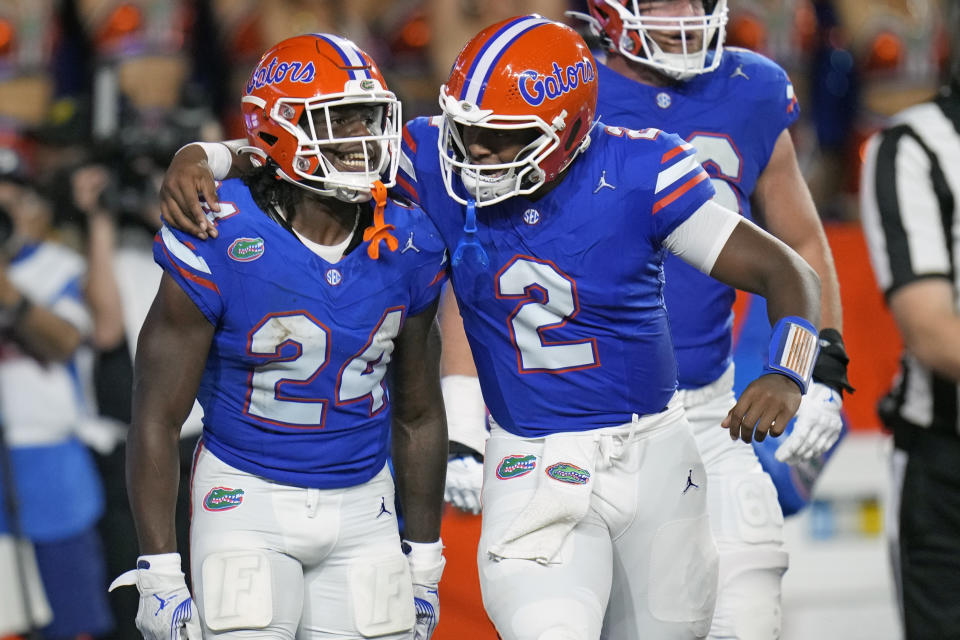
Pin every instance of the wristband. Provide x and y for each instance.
(219, 158)
(426, 560)
(160, 562)
(831, 366)
(793, 350)
(11, 316)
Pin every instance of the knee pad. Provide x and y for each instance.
(744, 508)
(748, 525)
(559, 633)
(748, 605)
(382, 595)
(237, 590)
(574, 617)
(683, 574)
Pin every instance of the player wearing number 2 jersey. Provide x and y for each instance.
(592, 496)
(285, 327)
(666, 67)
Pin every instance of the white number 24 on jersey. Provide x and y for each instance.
(360, 378)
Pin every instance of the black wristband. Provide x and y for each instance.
(460, 450)
(11, 316)
(831, 365)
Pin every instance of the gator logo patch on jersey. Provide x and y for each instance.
(222, 499)
(246, 249)
(568, 473)
(516, 466)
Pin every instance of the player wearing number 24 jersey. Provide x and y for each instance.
(285, 325)
(294, 386)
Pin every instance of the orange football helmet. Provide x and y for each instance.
(523, 73)
(627, 31)
(295, 108)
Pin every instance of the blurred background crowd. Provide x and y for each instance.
(97, 95)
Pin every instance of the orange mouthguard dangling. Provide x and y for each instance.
(379, 230)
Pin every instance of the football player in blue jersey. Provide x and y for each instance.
(594, 495)
(666, 67)
(285, 327)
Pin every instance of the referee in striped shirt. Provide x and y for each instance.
(910, 206)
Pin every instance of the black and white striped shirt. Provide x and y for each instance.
(910, 211)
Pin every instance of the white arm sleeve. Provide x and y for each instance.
(219, 157)
(700, 238)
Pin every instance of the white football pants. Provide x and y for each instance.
(281, 562)
(643, 550)
(745, 518)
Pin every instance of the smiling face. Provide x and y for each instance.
(349, 124)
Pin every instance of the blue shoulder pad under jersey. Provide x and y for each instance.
(293, 388)
(733, 117)
(569, 296)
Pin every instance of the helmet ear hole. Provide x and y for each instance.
(268, 138)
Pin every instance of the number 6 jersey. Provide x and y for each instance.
(294, 388)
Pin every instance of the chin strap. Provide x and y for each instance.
(379, 230)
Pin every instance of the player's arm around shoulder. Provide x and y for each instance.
(193, 174)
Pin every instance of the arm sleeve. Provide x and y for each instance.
(700, 238)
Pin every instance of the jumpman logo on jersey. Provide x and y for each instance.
(739, 72)
(409, 244)
(603, 183)
(690, 482)
(163, 603)
(383, 508)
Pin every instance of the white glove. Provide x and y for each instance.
(464, 481)
(426, 567)
(166, 611)
(816, 428)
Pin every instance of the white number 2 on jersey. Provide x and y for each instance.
(532, 317)
(359, 378)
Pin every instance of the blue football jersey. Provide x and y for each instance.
(562, 296)
(294, 388)
(732, 117)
